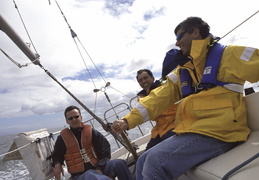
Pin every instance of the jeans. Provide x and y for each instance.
(113, 168)
(118, 168)
(158, 139)
(174, 156)
(91, 174)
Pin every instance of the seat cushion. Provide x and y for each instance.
(252, 103)
(216, 168)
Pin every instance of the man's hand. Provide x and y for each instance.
(119, 126)
(58, 170)
(99, 171)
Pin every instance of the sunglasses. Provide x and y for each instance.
(71, 118)
(180, 35)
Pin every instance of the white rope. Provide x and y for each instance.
(37, 140)
(17, 149)
(15, 62)
(240, 24)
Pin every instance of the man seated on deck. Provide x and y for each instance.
(211, 118)
(86, 152)
(165, 122)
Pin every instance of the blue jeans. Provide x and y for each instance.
(113, 168)
(118, 168)
(91, 174)
(174, 156)
(158, 139)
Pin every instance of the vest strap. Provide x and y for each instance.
(234, 87)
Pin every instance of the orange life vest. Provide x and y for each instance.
(76, 157)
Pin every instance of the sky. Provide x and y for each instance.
(119, 37)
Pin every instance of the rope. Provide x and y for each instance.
(15, 62)
(240, 24)
(17, 149)
(37, 140)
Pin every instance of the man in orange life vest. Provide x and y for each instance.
(86, 152)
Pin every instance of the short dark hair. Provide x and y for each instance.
(192, 23)
(70, 108)
(144, 70)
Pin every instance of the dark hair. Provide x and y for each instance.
(144, 70)
(70, 108)
(192, 23)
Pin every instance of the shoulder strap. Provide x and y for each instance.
(209, 78)
(186, 83)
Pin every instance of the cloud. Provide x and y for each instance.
(153, 13)
(118, 7)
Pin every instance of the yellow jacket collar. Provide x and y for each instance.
(199, 51)
(200, 48)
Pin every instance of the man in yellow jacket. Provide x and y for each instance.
(165, 122)
(210, 120)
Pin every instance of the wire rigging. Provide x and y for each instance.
(27, 32)
(240, 24)
(74, 35)
(85, 63)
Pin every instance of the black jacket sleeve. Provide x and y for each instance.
(59, 151)
(102, 149)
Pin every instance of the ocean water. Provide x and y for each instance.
(11, 169)
(16, 169)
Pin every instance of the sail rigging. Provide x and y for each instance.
(240, 24)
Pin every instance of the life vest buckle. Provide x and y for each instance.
(202, 86)
(198, 88)
(84, 155)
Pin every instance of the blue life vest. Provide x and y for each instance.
(209, 78)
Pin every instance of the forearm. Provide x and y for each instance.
(102, 148)
(131, 120)
(59, 151)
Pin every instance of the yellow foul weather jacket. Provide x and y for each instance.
(216, 112)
